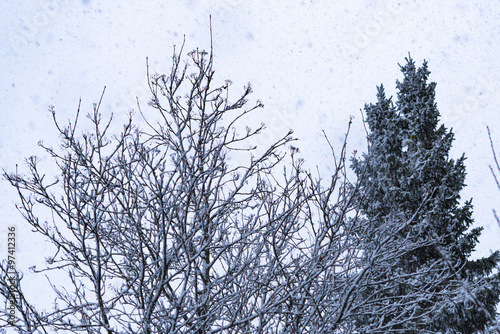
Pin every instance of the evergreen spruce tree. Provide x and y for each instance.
(408, 178)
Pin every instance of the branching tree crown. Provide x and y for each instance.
(157, 232)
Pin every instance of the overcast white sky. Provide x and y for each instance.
(313, 63)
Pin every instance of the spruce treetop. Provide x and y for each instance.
(408, 180)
